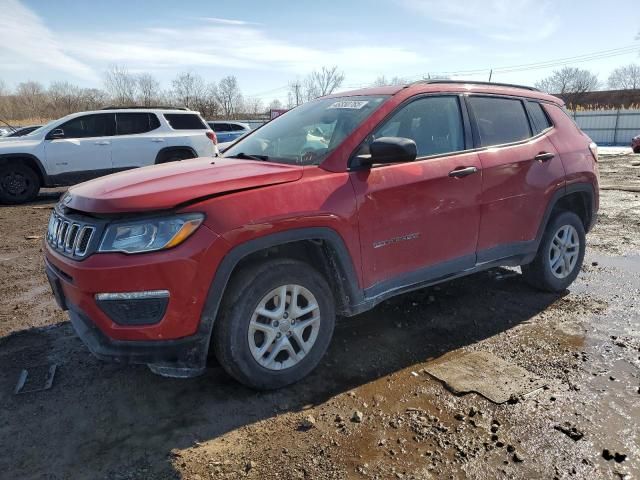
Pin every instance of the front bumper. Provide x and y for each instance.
(177, 343)
(185, 357)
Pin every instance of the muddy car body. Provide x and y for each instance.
(255, 254)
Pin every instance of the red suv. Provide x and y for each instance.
(326, 211)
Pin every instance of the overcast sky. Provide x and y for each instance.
(268, 43)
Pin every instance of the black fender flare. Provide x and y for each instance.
(165, 150)
(40, 168)
(343, 262)
(581, 187)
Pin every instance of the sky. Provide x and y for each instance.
(267, 44)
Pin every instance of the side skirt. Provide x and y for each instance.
(511, 255)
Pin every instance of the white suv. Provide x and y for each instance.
(86, 145)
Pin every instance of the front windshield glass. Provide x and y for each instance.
(308, 133)
(40, 129)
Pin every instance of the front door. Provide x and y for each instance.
(419, 220)
(84, 149)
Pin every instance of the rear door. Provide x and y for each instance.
(419, 220)
(85, 149)
(521, 170)
(136, 143)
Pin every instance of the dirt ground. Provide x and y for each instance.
(103, 421)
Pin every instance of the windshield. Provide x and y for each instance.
(40, 129)
(308, 133)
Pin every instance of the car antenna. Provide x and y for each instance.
(7, 124)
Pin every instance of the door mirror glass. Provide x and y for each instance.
(390, 150)
(55, 133)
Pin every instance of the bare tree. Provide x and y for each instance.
(625, 78)
(275, 104)
(323, 82)
(253, 106)
(206, 101)
(229, 96)
(93, 99)
(188, 89)
(3, 88)
(30, 96)
(121, 85)
(148, 89)
(382, 81)
(570, 83)
(64, 98)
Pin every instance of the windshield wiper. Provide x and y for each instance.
(246, 156)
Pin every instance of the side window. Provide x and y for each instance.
(500, 120)
(132, 123)
(98, 125)
(540, 119)
(434, 123)
(185, 121)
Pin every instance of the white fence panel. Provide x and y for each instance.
(609, 127)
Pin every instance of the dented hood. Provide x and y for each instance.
(165, 186)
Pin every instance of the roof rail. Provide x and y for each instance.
(474, 82)
(140, 107)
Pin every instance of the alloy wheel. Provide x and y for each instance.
(564, 251)
(284, 327)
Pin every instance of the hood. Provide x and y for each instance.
(165, 186)
(10, 142)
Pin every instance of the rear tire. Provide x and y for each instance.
(559, 256)
(266, 343)
(18, 184)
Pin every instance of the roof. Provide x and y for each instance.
(456, 86)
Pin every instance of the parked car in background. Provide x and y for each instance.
(228, 131)
(635, 144)
(327, 210)
(21, 131)
(86, 145)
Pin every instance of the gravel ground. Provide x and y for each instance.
(370, 410)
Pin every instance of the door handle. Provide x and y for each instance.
(544, 156)
(104, 142)
(157, 140)
(463, 172)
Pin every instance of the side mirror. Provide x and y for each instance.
(55, 133)
(390, 150)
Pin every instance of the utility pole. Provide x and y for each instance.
(490, 74)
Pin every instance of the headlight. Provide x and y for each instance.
(151, 234)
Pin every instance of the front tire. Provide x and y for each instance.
(559, 256)
(275, 324)
(18, 184)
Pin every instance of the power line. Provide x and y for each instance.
(523, 67)
(528, 66)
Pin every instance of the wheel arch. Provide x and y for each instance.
(578, 198)
(164, 152)
(32, 161)
(322, 247)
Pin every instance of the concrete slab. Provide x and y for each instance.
(483, 373)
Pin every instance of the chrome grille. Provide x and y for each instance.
(68, 236)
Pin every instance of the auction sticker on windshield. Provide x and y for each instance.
(350, 104)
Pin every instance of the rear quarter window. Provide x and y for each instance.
(185, 121)
(500, 120)
(539, 116)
